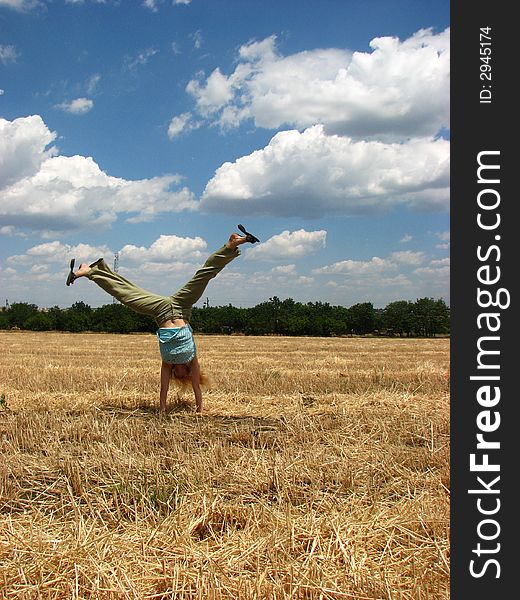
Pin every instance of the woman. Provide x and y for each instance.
(171, 313)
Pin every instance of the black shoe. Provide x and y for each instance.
(249, 236)
(71, 277)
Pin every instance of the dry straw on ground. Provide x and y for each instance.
(320, 469)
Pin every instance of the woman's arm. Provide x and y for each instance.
(166, 374)
(195, 383)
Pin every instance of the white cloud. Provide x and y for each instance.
(2, 92)
(56, 252)
(216, 91)
(437, 272)
(397, 90)
(442, 262)
(48, 193)
(197, 39)
(296, 244)
(8, 54)
(163, 267)
(151, 4)
(383, 279)
(7, 230)
(165, 249)
(444, 236)
(92, 83)
(141, 59)
(406, 238)
(374, 266)
(180, 124)
(23, 144)
(178, 253)
(407, 257)
(284, 270)
(21, 5)
(79, 106)
(310, 174)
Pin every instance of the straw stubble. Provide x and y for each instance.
(320, 469)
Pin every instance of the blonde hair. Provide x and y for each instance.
(185, 380)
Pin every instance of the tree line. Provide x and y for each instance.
(426, 317)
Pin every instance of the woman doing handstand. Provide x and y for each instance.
(172, 314)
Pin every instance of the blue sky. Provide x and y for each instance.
(152, 128)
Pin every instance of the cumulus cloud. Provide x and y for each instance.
(9, 230)
(407, 257)
(397, 90)
(165, 249)
(163, 267)
(374, 266)
(79, 106)
(398, 276)
(284, 270)
(180, 124)
(296, 244)
(48, 193)
(441, 262)
(56, 252)
(216, 91)
(311, 173)
(438, 270)
(444, 237)
(23, 148)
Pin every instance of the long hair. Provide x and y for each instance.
(184, 381)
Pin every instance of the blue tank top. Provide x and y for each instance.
(176, 344)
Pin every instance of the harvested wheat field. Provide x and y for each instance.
(319, 469)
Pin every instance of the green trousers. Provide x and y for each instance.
(161, 308)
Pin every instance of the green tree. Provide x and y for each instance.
(40, 321)
(4, 321)
(398, 317)
(20, 312)
(363, 318)
(430, 317)
(114, 318)
(78, 317)
(59, 317)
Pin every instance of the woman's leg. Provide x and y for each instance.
(126, 292)
(162, 308)
(190, 293)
